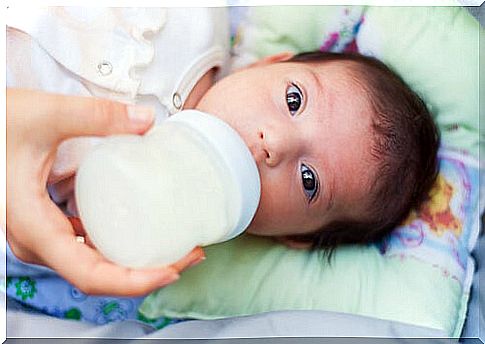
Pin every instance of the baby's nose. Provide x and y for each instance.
(277, 147)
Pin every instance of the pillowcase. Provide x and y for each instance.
(438, 57)
(434, 49)
(420, 275)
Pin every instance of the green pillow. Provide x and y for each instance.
(270, 277)
(422, 274)
(252, 275)
(438, 56)
(435, 49)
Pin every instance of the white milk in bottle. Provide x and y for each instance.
(146, 201)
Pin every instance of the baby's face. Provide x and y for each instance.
(308, 128)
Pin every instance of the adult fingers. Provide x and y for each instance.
(81, 234)
(97, 276)
(196, 256)
(61, 116)
(88, 270)
(86, 116)
(94, 275)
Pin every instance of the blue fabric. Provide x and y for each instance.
(43, 290)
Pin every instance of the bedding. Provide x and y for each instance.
(296, 322)
(272, 324)
(422, 274)
(435, 49)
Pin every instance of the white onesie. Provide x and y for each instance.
(149, 56)
(146, 56)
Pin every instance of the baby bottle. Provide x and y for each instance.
(147, 201)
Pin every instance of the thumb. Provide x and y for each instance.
(88, 116)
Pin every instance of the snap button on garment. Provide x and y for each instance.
(177, 101)
(105, 68)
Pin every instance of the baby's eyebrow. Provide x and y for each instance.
(329, 187)
(331, 197)
(326, 189)
(319, 96)
(313, 75)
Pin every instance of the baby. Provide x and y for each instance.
(343, 146)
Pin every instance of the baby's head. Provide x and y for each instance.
(343, 146)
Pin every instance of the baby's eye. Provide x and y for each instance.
(294, 98)
(309, 181)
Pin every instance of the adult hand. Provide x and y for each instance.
(37, 230)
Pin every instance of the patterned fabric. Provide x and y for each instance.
(50, 49)
(438, 234)
(40, 289)
(442, 232)
(341, 37)
(421, 275)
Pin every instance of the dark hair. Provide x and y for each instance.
(405, 145)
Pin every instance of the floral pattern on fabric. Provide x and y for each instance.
(439, 232)
(52, 295)
(25, 288)
(342, 37)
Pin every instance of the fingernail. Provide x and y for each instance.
(197, 261)
(170, 278)
(140, 114)
(174, 278)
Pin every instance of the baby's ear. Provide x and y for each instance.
(293, 243)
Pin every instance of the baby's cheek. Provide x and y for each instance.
(263, 222)
(272, 215)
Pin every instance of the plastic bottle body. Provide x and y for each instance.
(147, 201)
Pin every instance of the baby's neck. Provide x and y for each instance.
(200, 89)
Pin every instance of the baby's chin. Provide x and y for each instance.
(251, 230)
(283, 239)
(260, 231)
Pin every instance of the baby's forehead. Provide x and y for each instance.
(348, 121)
(345, 75)
(351, 79)
(340, 66)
